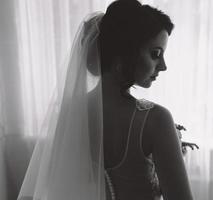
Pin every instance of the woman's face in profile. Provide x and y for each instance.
(151, 60)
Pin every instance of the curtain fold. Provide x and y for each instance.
(35, 41)
(11, 99)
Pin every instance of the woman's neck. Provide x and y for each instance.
(112, 96)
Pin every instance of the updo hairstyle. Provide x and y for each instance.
(126, 26)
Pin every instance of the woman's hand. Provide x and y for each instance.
(184, 144)
(191, 145)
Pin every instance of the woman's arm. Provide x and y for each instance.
(167, 155)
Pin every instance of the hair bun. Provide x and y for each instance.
(126, 6)
(120, 14)
(130, 1)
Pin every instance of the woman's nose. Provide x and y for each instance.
(162, 65)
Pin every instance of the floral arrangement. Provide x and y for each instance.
(184, 144)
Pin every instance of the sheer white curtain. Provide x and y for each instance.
(186, 87)
(35, 40)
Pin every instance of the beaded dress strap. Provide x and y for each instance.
(110, 185)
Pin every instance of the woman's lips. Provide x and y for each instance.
(153, 77)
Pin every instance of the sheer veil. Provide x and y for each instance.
(67, 162)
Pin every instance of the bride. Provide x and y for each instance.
(101, 143)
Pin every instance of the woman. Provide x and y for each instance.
(98, 133)
(133, 39)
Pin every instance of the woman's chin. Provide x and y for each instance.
(145, 84)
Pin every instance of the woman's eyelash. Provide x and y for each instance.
(156, 54)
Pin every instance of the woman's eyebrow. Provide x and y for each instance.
(158, 47)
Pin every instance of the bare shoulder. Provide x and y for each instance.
(156, 111)
(160, 122)
(159, 112)
(160, 119)
(158, 125)
(162, 131)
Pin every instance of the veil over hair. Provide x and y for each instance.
(67, 162)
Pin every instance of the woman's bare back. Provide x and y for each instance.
(116, 128)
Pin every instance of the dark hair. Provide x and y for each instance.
(126, 26)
